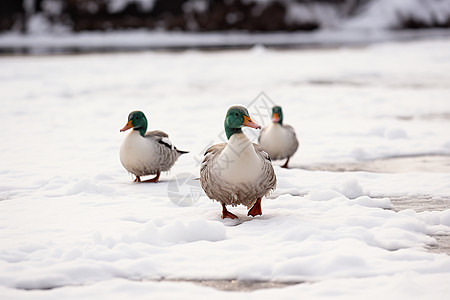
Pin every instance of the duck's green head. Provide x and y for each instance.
(277, 115)
(237, 117)
(137, 121)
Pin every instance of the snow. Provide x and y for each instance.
(74, 225)
(338, 22)
(391, 13)
(324, 14)
(115, 6)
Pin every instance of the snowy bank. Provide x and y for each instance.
(74, 224)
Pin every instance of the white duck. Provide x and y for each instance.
(146, 153)
(277, 139)
(237, 172)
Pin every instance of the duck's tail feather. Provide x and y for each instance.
(182, 152)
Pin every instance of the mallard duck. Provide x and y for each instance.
(237, 172)
(146, 153)
(277, 139)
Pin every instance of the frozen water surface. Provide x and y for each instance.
(73, 224)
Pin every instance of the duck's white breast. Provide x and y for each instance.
(137, 152)
(238, 161)
(276, 139)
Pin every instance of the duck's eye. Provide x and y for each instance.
(236, 114)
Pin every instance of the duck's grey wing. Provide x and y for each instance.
(268, 181)
(157, 133)
(290, 128)
(294, 145)
(261, 153)
(161, 137)
(231, 193)
(166, 153)
(213, 186)
(211, 154)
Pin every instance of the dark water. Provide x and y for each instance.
(101, 42)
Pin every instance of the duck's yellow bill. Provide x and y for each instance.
(249, 123)
(275, 117)
(127, 126)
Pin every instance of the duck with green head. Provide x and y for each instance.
(146, 153)
(277, 139)
(237, 172)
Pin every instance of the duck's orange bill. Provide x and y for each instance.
(275, 117)
(127, 126)
(248, 122)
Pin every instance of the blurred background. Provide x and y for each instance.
(310, 21)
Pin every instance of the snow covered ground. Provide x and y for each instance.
(74, 225)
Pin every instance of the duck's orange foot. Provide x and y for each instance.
(226, 213)
(256, 209)
(154, 179)
(286, 164)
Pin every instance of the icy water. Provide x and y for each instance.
(130, 41)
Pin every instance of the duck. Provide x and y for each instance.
(278, 140)
(146, 153)
(238, 172)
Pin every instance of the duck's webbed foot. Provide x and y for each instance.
(286, 164)
(256, 209)
(226, 213)
(155, 179)
(138, 179)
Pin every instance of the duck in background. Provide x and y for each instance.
(146, 153)
(237, 172)
(278, 140)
